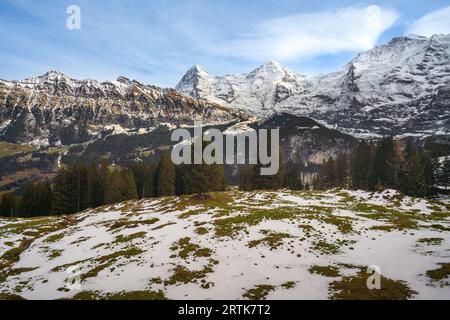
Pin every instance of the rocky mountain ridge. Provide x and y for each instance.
(54, 109)
(402, 87)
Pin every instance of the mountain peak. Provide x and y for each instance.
(197, 69)
(51, 75)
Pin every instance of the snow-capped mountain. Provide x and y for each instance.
(402, 87)
(258, 91)
(55, 109)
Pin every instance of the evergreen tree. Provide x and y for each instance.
(245, 177)
(29, 201)
(381, 173)
(341, 173)
(292, 178)
(9, 205)
(443, 174)
(120, 186)
(418, 186)
(360, 166)
(37, 200)
(165, 177)
(96, 185)
(61, 193)
(144, 176)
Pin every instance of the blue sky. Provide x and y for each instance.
(156, 41)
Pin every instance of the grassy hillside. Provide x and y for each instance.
(235, 245)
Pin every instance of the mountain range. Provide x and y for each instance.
(399, 88)
(54, 109)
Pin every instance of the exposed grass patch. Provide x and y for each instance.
(326, 248)
(201, 231)
(10, 149)
(259, 292)
(355, 288)
(55, 254)
(440, 273)
(326, 271)
(54, 238)
(229, 227)
(125, 223)
(186, 249)
(132, 295)
(13, 272)
(107, 260)
(288, 285)
(164, 225)
(272, 239)
(183, 275)
(10, 296)
(130, 237)
(431, 241)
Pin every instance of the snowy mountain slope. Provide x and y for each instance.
(257, 245)
(257, 91)
(55, 109)
(401, 87)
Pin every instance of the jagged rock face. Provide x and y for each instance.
(398, 88)
(55, 109)
(303, 140)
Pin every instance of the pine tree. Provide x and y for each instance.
(120, 186)
(165, 177)
(61, 193)
(341, 170)
(37, 200)
(360, 166)
(29, 200)
(443, 174)
(96, 185)
(418, 186)
(381, 173)
(9, 205)
(245, 177)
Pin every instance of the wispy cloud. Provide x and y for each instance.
(435, 22)
(291, 37)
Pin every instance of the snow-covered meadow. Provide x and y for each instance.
(235, 245)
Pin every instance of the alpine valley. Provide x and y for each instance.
(400, 88)
(111, 212)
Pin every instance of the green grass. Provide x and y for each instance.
(355, 288)
(230, 227)
(431, 241)
(54, 238)
(10, 149)
(130, 237)
(288, 285)
(441, 273)
(272, 239)
(259, 292)
(108, 260)
(10, 296)
(326, 271)
(132, 295)
(326, 248)
(181, 274)
(187, 249)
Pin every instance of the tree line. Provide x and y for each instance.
(79, 187)
(387, 164)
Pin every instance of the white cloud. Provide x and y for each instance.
(327, 32)
(436, 22)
